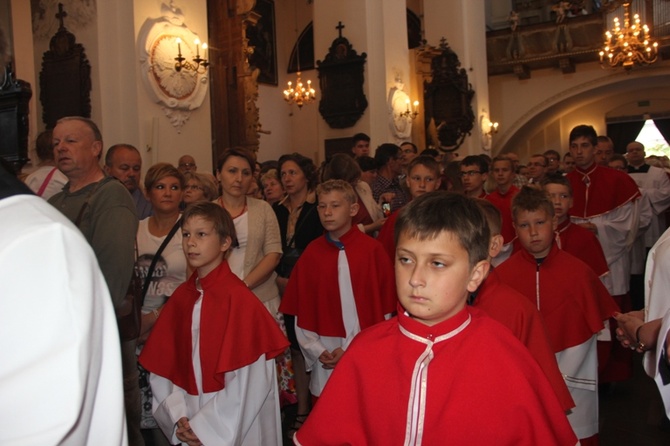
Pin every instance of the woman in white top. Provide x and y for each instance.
(256, 227)
(164, 185)
(46, 180)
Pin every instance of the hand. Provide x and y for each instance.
(386, 196)
(185, 434)
(330, 359)
(281, 284)
(626, 332)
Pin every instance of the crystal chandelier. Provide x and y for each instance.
(299, 94)
(629, 45)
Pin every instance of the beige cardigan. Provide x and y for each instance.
(263, 239)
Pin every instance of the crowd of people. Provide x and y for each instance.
(369, 292)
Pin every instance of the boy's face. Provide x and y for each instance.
(535, 231)
(561, 199)
(502, 172)
(472, 178)
(434, 277)
(421, 180)
(202, 245)
(336, 213)
(361, 148)
(583, 151)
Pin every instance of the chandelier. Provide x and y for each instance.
(629, 45)
(299, 94)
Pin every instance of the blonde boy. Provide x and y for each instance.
(423, 376)
(340, 285)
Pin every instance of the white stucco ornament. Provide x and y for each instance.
(179, 92)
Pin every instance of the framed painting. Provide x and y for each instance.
(262, 38)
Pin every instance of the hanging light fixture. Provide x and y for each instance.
(630, 45)
(298, 93)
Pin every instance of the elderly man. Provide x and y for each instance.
(124, 163)
(187, 164)
(101, 207)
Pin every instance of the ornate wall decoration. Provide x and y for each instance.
(14, 97)
(179, 92)
(447, 99)
(341, 77)
(65, 79)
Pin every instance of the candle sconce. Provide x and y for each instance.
(199, 64)
(410, 114)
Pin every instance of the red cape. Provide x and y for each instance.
(387, 235)
(573, 301)
(583, 244)
(608, 189)
(313, 294)
(481, 387)
(513, 310)
(504, 204)
(235, 330)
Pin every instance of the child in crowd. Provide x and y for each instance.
(424, 377)
(226, 394)
(572, 238)
(423, 176)
(502, 171)
(512, 309)
(571, 299)
(341, 284)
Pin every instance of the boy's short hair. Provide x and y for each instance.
(492, 215)
(359, 137)
(385, 153)
(476, 160)
(619, 157)
(427, 216)
(338, 186)
(558, 179)
(586, 131)
(159, 171)
(530, 199)
(426, 161)
(552, 152)
(503, 158)
(366, 163)
(212, 212)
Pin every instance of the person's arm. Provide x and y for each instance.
(311, 346)
(271, 249)
(169, 405)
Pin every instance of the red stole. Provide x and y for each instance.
(387, 235)
(235, 330)
(583, 244)
(507, 306)
(599, 190)
(504, 204)
(573, 301)
(313, 294)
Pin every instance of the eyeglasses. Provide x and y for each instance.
(470, 173)
(193, 187)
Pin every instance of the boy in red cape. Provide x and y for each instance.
(227, 392)
(571, 299)
(342, 283)
(440, 372)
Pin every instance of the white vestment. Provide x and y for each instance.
(660, 346)
(60, 376)
(655, 188)
(617, 230)
(656, 298)
(245, 412)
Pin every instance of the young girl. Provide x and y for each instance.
(213, 374)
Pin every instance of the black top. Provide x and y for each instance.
(307, 228)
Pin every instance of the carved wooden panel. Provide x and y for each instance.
(341, 78)
(65, 79)
(14, 98)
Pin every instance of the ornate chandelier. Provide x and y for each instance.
(629, 45)
(299, 94)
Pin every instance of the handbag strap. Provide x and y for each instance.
(291, 243)
(150, 272)
(46, 182)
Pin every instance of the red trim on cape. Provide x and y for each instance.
(313, 295)
(608, 190)
(235, 330)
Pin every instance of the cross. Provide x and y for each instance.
(339, 28)
(61, 15)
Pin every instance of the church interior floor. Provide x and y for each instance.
(630, 413)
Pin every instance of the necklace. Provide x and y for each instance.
(244, 208)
